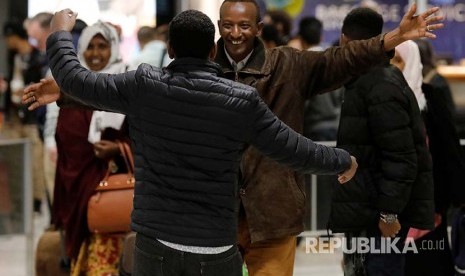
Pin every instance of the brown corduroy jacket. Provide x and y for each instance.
(273, 195)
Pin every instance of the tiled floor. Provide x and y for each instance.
(13, 256)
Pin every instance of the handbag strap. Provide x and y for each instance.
(128, 161)
(128, 153)
(127, 156)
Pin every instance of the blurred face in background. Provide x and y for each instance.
(11, 41)
(37, 34)
(98, 53)
(238, 27)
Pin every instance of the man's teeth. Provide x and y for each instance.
(236, 42)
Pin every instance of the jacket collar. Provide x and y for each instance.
(187, 64)
(255, 64)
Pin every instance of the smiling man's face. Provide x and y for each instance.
(239, 27)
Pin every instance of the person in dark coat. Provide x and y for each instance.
(448, 166)
(393, 188)
(188, 129)
(272, 195)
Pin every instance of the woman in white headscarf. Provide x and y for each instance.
(407, 59)
(98, 50)
(85, 143)
(447, 159)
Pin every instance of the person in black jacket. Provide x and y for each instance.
(382, 127)
(189, 128)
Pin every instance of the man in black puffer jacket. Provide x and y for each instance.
(189, 128)
(392, 190)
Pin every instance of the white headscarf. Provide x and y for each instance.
(101, 119)
(115, 64)
(410, 54)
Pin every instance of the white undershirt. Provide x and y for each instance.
(197, 249)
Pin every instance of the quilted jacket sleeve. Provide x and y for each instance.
(99, 91)
(278, 141)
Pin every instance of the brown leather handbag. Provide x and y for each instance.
(109, 208)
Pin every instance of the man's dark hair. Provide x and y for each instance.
(13, 28)
(283, 18)
(257, 8)
(76, 32)
(426, 55)
(362, 23)
(79, 26)
(270, 33)
(161, 32)
(192, 34)
(310, 30)
(44, 19)
(145, 34)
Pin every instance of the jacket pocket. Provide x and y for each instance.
(296, 184)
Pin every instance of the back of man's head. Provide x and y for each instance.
(362, 23)
(192, 34)
(79, 26)
(145, 34)
(14, 28)
(161, 32)
(44, 19)
(426, 55)
(282, 20)
(310, 30)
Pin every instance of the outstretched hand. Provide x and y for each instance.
(63, 20)
(349, 173)
(413, 27)
(38, 94)
(416, 26)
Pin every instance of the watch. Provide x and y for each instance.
(388, 218)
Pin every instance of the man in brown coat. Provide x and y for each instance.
(272, 195)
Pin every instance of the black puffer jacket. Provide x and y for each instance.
(382, 127)
(189, 129)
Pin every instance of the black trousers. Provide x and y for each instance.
(152, 258)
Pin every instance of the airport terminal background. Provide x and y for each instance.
(20, 228)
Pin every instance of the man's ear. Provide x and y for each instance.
(343, 40)
(260, 28)
(171, 53)
(212, 53)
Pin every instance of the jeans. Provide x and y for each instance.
(152, 258)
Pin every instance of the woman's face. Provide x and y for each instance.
(98, 53)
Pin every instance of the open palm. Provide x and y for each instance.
(416, 26)
(44, 92)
